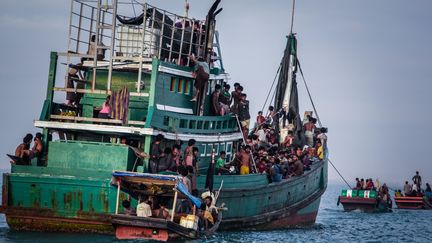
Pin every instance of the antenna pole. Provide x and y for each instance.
(292, 16)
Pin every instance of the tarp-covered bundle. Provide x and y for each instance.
(287, 89)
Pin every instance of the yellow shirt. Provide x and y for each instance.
(208, 216)
(320, 152)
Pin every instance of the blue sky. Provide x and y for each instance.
(368, 65)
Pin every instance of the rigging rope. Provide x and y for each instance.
(268, 94)
(319, 120)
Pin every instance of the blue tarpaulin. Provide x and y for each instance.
(145, 175)
(183, 189)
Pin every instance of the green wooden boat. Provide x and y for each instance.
(69, 188)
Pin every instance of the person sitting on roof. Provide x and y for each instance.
(144, 208)
(37, 150)
(93, 48)
(104, 113)
(161, 212)
(23, 151)
(127, 209)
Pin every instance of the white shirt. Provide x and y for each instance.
(262, 135)
(144, 210)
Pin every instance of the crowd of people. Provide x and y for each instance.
(368, 184)
(24, 153)
(415, 189)
(156, 207)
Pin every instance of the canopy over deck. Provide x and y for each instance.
(151, 184)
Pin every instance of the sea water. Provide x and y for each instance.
(332, 225)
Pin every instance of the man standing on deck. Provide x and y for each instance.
(245, 161)
(216, 108)
(155, 153)
(417, 181)
(244, 115)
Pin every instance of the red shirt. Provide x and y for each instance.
(260, 119)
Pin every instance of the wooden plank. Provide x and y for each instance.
(89, 119)
(89, 91)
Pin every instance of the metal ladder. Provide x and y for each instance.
(101, 25)
(218, 49)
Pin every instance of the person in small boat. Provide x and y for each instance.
(161, 212)
(201, 74)
(407, 189)
(417, 180)
(358, 184)
(245, 161)
(127, 209)
(206, 220)
(183, 172)
(398, 193)
(428, 188)
(144, 207)
(370, 185)
(104, 113)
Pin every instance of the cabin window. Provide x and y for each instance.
(172, 85)
(166, 120)
(228, 150)
(222, 147)
(209, 149)
(187, 87)
(203, 150)
(180, 86)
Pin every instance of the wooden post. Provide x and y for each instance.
(174, 205)
(118, 196)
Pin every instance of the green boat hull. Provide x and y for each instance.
(35, 198)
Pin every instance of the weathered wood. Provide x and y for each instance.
(85, 119)
(96, 91)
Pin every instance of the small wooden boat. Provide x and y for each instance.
(169, 187)
(413, 203)
(363, 200)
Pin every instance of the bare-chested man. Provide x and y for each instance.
(245, 161)
(23, 150)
